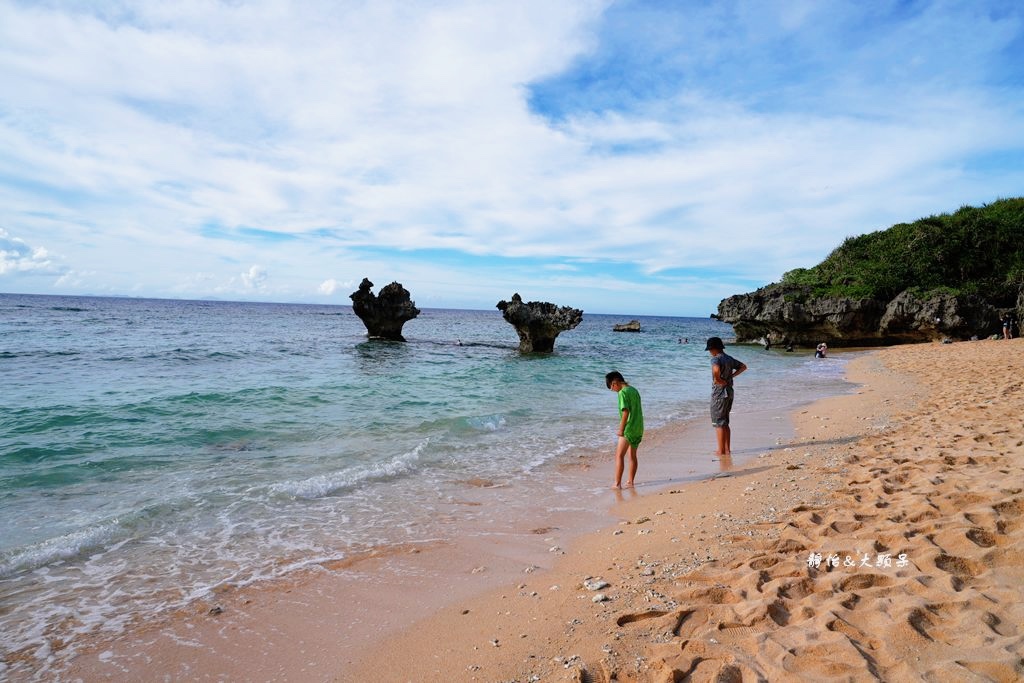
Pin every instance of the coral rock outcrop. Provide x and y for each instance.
(631, 326)
(538, 323)
(386, 313)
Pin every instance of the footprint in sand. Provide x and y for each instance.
(1010, 509)
(959, 566)
(840, 625)
(760, 563)
(639, 616)
(921, 621)
(716, 595)
(981, 538)
(863, 581)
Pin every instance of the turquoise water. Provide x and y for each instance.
(152, 451)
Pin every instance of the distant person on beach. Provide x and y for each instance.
(821, 351)
(631, 426)
(1007, 327)
(724, 368)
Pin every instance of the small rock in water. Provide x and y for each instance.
(214, 611)
(595, 585)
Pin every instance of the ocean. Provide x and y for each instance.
(154, 451)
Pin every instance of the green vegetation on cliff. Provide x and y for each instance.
(972, 251)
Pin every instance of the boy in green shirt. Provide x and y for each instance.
(631, 426)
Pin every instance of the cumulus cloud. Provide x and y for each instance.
(331, 287)
(254, 278)
(16, 256)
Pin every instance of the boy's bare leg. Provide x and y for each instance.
(633, 465)
(724, 437)
(620, 458)
(725, 463)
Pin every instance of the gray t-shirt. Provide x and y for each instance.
(727, 367)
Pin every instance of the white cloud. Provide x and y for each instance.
(76, 281)
(174, 137)
(16, 256)
(331, 287)
(254, 278)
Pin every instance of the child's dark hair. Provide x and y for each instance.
(613, 376)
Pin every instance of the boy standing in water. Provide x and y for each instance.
(631, 426)
(723, 369)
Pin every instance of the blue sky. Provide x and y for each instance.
(620, 157)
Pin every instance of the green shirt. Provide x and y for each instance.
(629, 399)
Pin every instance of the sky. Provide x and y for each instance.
(632, 157)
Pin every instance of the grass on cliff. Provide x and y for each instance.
(976, 250)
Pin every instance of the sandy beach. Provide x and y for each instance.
(915, 480)
(882, 541)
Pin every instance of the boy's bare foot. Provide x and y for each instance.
(628, 485)
(616, 486)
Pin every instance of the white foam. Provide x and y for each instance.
(487, 423)
(63, 547)
(323, 485)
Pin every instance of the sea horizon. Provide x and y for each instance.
(347, 304)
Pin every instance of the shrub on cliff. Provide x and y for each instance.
(976, 250)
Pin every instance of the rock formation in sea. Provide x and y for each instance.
(386, 313)
(631, 326)
(538, 323)
(781, 313)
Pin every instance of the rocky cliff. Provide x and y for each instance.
(782, 313)
(946, 276)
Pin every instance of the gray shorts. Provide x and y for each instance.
(721, 404)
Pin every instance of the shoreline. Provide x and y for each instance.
(243, 632)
